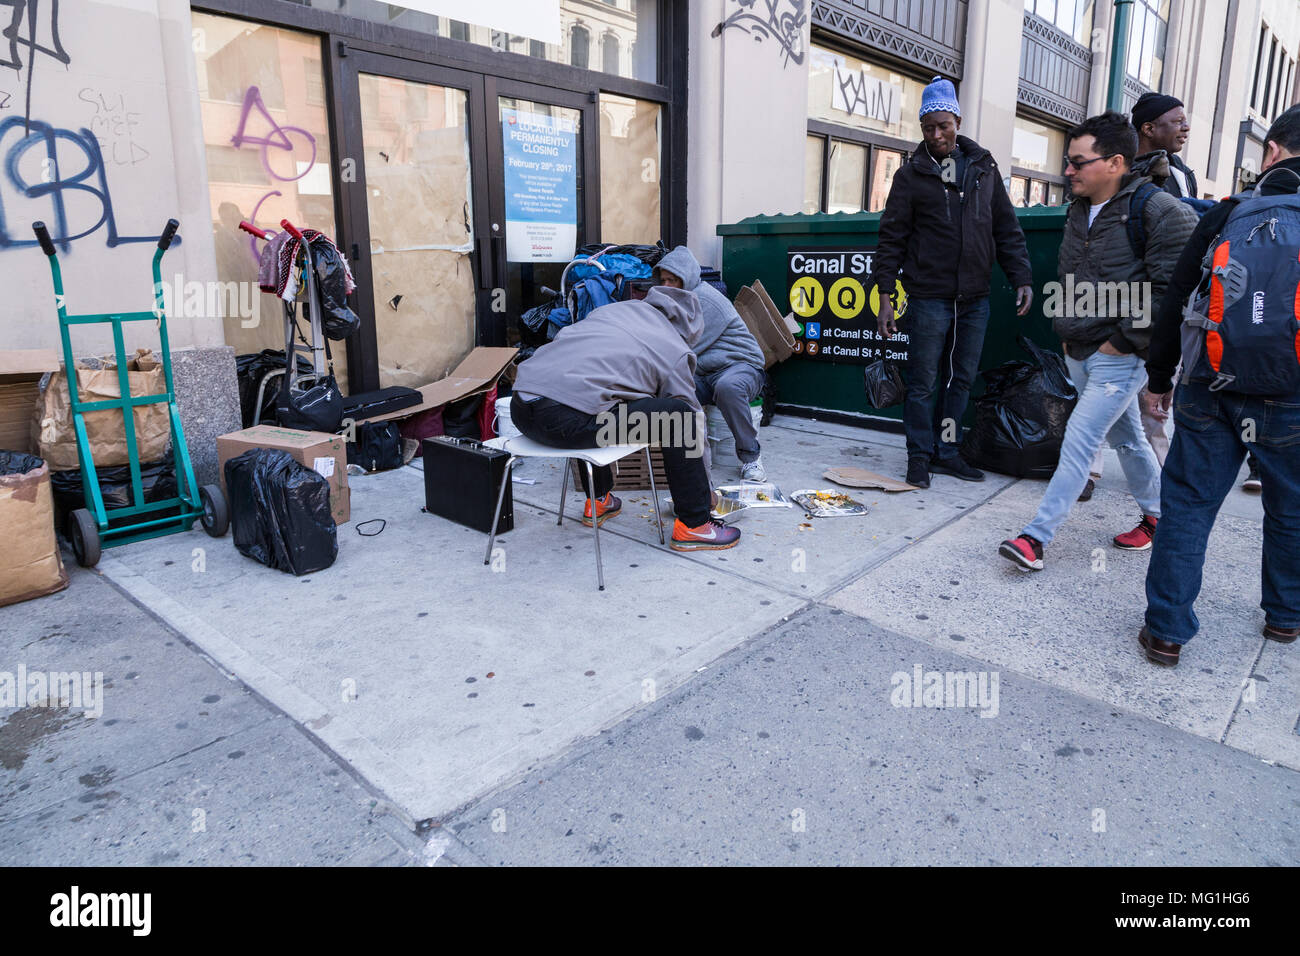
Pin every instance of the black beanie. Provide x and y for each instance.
(1152, 106)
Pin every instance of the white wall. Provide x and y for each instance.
(748, 118)
(128, 84)
(994, 33)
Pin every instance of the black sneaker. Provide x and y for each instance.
(918, 472)
(957, 468)
(1252, 482)
(1088, 489)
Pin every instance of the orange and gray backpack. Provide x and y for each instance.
(1242, 331)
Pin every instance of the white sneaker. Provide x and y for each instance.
(753, 470)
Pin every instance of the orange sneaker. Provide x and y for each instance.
(606, 507)
(713, 535)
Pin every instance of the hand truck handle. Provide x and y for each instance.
(168, 232)
(291, 229)
(250, 228)
(43, 237)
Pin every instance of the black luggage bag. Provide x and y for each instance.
(462, 478)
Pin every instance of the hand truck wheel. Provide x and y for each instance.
(84, 533)
(216, 511)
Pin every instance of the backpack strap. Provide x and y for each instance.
(1136, 224)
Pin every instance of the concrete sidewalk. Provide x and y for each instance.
(440, 681)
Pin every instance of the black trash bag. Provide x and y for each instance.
(20, 463)
(157, 481)
(460, 418)
(250, 369)
(336, 319)
(650, 255)
(280, 512)
(378, 446)
(883, 383)
(1021, 417)
(318, 408)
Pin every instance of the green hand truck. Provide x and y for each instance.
(95, 527)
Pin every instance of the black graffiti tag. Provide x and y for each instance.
(785, 26)
(29, 11)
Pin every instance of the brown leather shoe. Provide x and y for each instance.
(1283, 635)
(1158, 651)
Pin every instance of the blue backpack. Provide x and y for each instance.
(1136, 223)
(1242, 331)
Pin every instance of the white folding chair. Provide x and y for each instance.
(520, 446)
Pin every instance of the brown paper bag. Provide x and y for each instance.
(55, 438)
(30, 564)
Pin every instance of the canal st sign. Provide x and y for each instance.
(828, 293)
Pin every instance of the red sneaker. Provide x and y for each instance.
(1024, 551)
(713, 535)
(606, 507)
(1139, 539)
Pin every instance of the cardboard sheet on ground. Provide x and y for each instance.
(828, 503)
(861, 478)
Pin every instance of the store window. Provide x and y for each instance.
(1274, 74)
(1036, 165)
(862, 125)
(1146, 44)
(1071, 17)
(582, 24)
(267, 141)
(630, 157)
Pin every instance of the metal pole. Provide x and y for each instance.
(1119, 55)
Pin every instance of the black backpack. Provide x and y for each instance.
(378, 446)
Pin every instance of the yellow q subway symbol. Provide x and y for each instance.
(806, 297)
(847, 298)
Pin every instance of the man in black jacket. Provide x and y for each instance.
(1210, 442)
(947, 218)
(1162, 126)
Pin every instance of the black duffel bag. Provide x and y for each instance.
(378, 446)
(318, 408)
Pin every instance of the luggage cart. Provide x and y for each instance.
(315, 349)
(95, 527)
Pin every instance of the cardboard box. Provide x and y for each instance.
(477, 373)
(20, 378)
(324, 453)
(775, 333)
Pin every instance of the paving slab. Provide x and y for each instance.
(1074, 624)
(433, 675)
(791, 751)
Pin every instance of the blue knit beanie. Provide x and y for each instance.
(940, 94)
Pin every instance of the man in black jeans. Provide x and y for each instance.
(947, 218)
(623, 375)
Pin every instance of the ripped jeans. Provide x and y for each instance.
(1107, 411)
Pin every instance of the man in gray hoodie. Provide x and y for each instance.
(728, 360)
(625, 374)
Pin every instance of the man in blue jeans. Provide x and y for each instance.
(947, 218)
(1210, 440)
(1101, 311)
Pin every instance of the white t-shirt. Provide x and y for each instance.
(1093, 209)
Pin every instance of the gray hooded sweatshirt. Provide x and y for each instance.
(725, 339)
(620, 353)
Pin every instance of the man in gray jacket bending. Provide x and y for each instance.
(626, 374)
(729, 363)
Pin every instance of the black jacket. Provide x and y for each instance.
(1166, 337)
(1156, 165)
(945, 235)
(1096, 258)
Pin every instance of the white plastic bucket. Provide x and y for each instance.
(722, 443)
(505, 428)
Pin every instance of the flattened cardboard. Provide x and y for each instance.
(21, 371)
(304, 448)
(477, 373)
(788, 320)
(861, 478)
(24, 365)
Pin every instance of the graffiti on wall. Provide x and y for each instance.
(780, 20)
(114, 127)
(33, 24)
(57, 168)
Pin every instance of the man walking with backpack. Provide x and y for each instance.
(1240, 386)
(1104, 325)
(947, 218)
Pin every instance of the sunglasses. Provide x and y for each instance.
(1070, 162)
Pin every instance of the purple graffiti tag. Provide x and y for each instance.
(278, 136)
(270, 233)
(31, 9)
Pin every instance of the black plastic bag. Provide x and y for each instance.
(378, 446)
(250, 369)
(157, 481)
(280, 512)
(318, 408)
(648, 254)
(20, 463)
(336, 319)
(460, 418)
(1021, 417)
(883, 383)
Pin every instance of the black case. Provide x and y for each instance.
(461, 481)
(380, 402)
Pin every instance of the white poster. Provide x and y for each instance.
(853, 91)
(536, 19)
